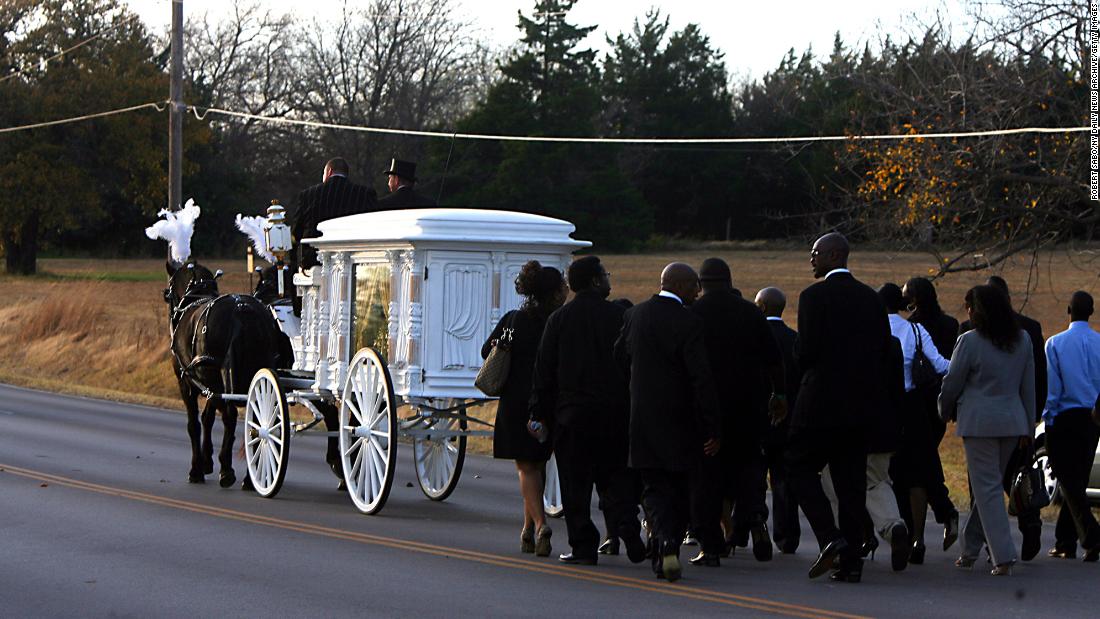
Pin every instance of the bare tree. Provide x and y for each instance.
(394, 63)
(974, 202)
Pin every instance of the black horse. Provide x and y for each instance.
(219, 342)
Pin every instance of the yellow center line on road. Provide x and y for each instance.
(673, 589)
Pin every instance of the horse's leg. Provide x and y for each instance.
(229, 437)
(209, 411)
(190, 401)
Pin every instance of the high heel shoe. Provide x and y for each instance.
(542, 542)
(610, 546)
(1003, 569)
(965, 562)
(527, 541)
(916, 556)
(870, 545)
(951, 531)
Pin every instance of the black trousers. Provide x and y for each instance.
(666, 497)
(786, 529)
(588, 458)
(707, 493)
(1071, 444)
(844, 450)
(748, 489)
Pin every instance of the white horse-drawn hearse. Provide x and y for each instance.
(392, 323)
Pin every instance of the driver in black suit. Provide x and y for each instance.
(336, 196)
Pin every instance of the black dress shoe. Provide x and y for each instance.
(1032, 542)
(828, 556)
(899, 547)
(706, 559)
(852, 573)
(916, 556)
(788, 549)
(610, 546)
(572, 559)
(761, 542)
(635, 549)
(1092, 555)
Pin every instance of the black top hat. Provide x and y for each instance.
(404, 169)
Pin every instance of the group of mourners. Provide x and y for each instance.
(680, 405)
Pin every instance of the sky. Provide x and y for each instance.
(754, 35)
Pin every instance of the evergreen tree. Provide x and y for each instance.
(549, 87)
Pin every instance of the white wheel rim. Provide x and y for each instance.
(1049, 480)
(551, 494)
(365, 439)
(264, 439)
(436, 458)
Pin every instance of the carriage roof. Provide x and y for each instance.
(464, 225)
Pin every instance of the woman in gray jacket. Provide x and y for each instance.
(990, 391)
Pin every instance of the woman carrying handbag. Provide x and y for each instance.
(543, 290)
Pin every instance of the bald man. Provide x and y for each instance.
(786, 529)
(843, 348)
(1073, 370)
(674, 421)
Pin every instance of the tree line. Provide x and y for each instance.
(89, 188)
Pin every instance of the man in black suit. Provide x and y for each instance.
(843, 347)
(745, 362)
(581, 393)
(674, 419)
(786, 529)
(1030, 523)
(402, 192)
(336, 196)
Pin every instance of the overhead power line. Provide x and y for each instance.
(69, 49)
(201, 115)
(159, 106)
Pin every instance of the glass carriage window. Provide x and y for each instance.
(370, 315)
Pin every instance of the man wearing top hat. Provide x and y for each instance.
(402, 194)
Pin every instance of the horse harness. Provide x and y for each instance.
(198, 291)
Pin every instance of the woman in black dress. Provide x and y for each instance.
(925, 472)
(543, 289)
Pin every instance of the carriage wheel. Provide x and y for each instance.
(368, 431)
(551, 493)
(439, 459)
(267, 434)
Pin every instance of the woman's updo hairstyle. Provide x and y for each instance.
(540, 285)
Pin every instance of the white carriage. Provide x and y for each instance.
(392, 325)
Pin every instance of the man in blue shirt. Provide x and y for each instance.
(1073, 372)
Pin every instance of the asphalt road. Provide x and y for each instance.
(97, 520)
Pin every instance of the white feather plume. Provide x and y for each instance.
(254, 228)
(176, 228)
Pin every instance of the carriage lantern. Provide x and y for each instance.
(277, 235)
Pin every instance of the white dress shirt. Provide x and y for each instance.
(665, 293)
(903, 330)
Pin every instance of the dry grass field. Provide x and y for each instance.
(99, 327)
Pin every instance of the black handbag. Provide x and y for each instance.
(1029, 490)
(493, 375)
(925, 376)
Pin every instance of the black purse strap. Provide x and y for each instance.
(916, 336)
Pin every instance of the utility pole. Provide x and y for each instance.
(175, 111)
